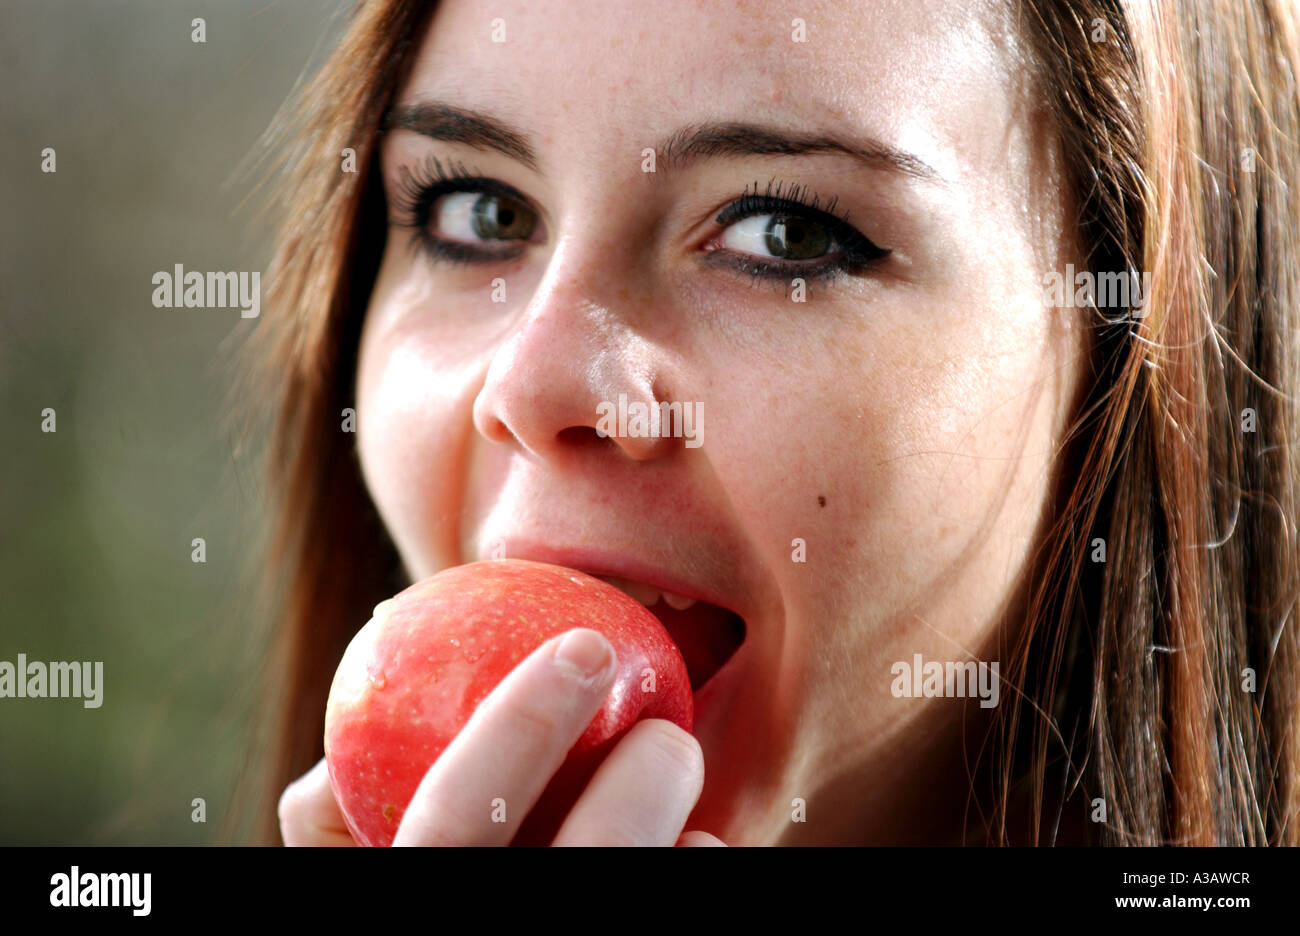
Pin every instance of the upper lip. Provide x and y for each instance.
(603, 562)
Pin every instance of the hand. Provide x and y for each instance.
(513, 744)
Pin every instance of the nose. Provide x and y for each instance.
(565, 364)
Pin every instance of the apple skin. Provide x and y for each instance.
(412, 676)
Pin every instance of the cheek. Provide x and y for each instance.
(909, 452)
(414, 407)
(961, 453)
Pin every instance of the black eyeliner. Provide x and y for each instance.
(418, 190)
(857, 252)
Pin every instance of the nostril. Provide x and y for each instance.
(584, 437)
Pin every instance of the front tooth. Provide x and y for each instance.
(677, 602)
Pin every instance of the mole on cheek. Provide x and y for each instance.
(821, 500)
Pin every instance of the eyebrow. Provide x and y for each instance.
(441, 121)
(747, 139)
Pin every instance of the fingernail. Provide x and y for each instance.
(587, 651)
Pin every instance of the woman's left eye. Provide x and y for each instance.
(779, 237)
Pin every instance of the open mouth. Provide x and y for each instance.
(706, 634)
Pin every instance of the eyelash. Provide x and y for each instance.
(856, 255)
(419, 188)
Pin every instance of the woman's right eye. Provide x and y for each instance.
(474, 217)
(454, 213)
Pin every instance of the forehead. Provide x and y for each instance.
(935, 77)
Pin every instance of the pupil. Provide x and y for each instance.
(795, 239)
(494, 219)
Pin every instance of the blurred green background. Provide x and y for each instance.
(151, 132)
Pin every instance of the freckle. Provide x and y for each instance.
(821, 500)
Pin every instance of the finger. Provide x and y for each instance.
(698, 839)
(504, 757)
(643, 792)
(309, 814)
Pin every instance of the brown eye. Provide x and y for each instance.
(475, 217)
(769, 237)
(496, 217)
(793, 238)
(780, 236)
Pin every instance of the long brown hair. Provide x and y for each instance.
(1180, 125)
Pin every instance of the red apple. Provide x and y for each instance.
(411, 677)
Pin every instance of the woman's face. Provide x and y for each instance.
(878, 389)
